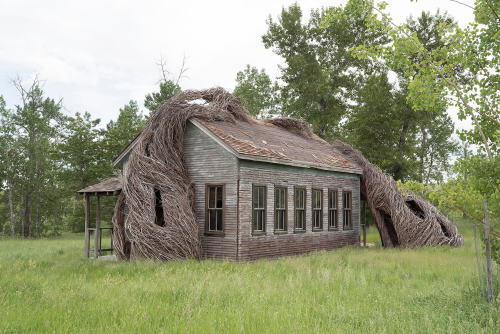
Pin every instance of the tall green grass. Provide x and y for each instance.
(46, 286)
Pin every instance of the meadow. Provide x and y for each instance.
(47, 286)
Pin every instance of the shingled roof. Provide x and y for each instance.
(111, 186)
(261, 141)
(258, 140)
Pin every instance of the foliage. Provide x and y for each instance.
(121, 132)
(350, 290)
(339, 94)
(258, 92)
(381, 127)
(154, 100)
(320, 75)
(82, 162)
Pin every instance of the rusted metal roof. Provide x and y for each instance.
(265, 140)
(111, 186)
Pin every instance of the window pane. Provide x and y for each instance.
(260, 225)
(219, 197)
(211, 220)
(219, 220)
(211, 197)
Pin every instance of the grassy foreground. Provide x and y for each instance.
(46, 286)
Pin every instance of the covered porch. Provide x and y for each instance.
(108, 187)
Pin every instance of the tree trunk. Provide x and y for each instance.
(403, 135)
(37, 221)
(488, 252)
(26, 222)
(422, 153)
(12, 215)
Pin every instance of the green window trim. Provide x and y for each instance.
(317, 209)
(300, 209)
(280, 209)
(333, 212)
(259, 199)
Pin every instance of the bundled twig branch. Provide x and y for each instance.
(154, 216)
(402, 220)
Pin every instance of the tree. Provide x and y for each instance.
(168, 89)
(257, 91)
(121, 132)
(37, 121)
(376, 125)
(320, 74)
(407, 143)
(82, 160)
(465, 71)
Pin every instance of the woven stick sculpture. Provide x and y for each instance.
(154, 216)
(402, 220)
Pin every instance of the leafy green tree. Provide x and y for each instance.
(154, 100)
(121, 132)
(37, 121)
(320, 74)
(377, 124)
(82, 162)
(432, 76)
(258, 92)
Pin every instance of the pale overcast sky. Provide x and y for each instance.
(98, 55)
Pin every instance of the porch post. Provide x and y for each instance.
(97, 232)
(87, 215)
(364, 223)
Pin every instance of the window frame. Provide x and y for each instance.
(264, 210)
(350, 226)
(313, 210)
(207, 210)
(335, 210)
(285, 222)
(304, 209)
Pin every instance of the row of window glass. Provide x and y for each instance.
(215, 208)
(281, 209)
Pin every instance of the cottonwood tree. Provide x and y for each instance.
(320, 75)
(258, 92)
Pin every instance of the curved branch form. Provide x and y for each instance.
(402, 220)
(160, 223)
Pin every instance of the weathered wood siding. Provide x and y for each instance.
(210, 163)
(291, 243)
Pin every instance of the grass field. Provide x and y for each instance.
(46, 286)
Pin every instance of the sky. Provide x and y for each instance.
(98, 55)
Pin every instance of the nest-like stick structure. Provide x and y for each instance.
(154, 216)
(402, 220)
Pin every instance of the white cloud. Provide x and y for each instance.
(98, 55)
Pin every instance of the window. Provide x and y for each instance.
(347, 204)
(317, 209)
(215, 209)
(332, 209)
(280, 204)
(258, 209)
(300, 209)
